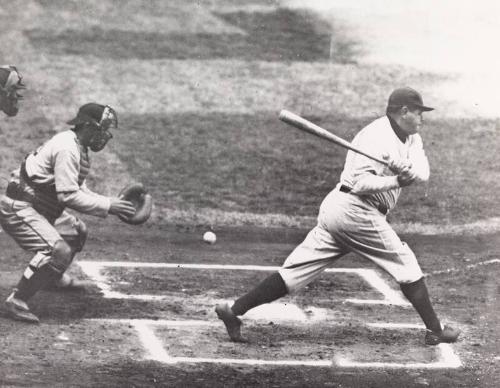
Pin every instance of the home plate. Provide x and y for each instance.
(283, 312)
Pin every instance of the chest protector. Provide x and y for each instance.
(45, 199)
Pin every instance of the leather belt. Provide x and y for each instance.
(15, 191)
(345, 189)
(380, 207)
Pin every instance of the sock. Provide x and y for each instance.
(270, 289)
(418, 296)
(33, 279)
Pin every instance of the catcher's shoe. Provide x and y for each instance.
(19, 310)
(447, 335)
(231, 321)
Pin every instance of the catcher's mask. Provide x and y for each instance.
(10, 85)
(101, 118)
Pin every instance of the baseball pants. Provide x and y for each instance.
(34, 233)
(346, 224)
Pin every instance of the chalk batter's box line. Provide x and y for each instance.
(94, 269)
(447, 359)
(467, 267)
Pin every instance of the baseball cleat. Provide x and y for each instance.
(19, 310)
(231, 321)
(447, 335)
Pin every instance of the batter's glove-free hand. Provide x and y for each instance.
(140, 199)
(397, 166)
(406, 177)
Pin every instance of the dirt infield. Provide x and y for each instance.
(198, 86)
(159, 327)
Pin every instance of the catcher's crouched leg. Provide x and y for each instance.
(44, 269)
(76, 243)
(62, 255)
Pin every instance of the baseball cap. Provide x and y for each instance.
(94, 113)
(409, 97)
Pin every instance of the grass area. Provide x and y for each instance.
(198, 87)
(260, 165)
(280, 35)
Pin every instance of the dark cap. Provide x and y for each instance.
(407, 97)
(94, 113)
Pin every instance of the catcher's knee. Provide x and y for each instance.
(77, 241)
(61, 255)
(83, 232)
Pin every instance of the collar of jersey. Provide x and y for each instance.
(397, 130)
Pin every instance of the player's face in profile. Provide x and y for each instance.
(412, 121)
(95, 137)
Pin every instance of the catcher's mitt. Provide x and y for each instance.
(143, 203)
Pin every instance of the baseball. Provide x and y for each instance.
(209, 237)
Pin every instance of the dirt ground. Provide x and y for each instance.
(81, 342)
(198, 86)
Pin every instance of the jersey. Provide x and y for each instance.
(379, 139)
(54, 175)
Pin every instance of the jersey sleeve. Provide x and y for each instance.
(66, 170)
(368, 176)
(69, 192)
(418, 159)
(362, 165)
(86, 202)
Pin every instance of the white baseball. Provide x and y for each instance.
(209, 237)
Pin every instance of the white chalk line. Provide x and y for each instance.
(391, 296)
(447, 359)
(94, 269)
(155, 322)
(396, 325)
(156, 351)
(154, 347)
(470, 266)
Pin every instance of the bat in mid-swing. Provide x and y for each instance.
(307, 126)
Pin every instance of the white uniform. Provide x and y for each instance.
(353, 219)
(33, 213)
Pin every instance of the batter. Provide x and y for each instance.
(352, 218)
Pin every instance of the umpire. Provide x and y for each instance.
(352, 218)
(10, 85)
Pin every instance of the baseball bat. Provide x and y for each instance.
(307, 126)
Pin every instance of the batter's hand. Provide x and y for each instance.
(406, 177)
(397, 166)
(119, 207)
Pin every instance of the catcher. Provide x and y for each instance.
(10, 85)
(49, 180)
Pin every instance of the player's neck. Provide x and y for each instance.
(402, 136)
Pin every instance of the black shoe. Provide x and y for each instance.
(447, 335)
(19, 310)
(231, 321)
